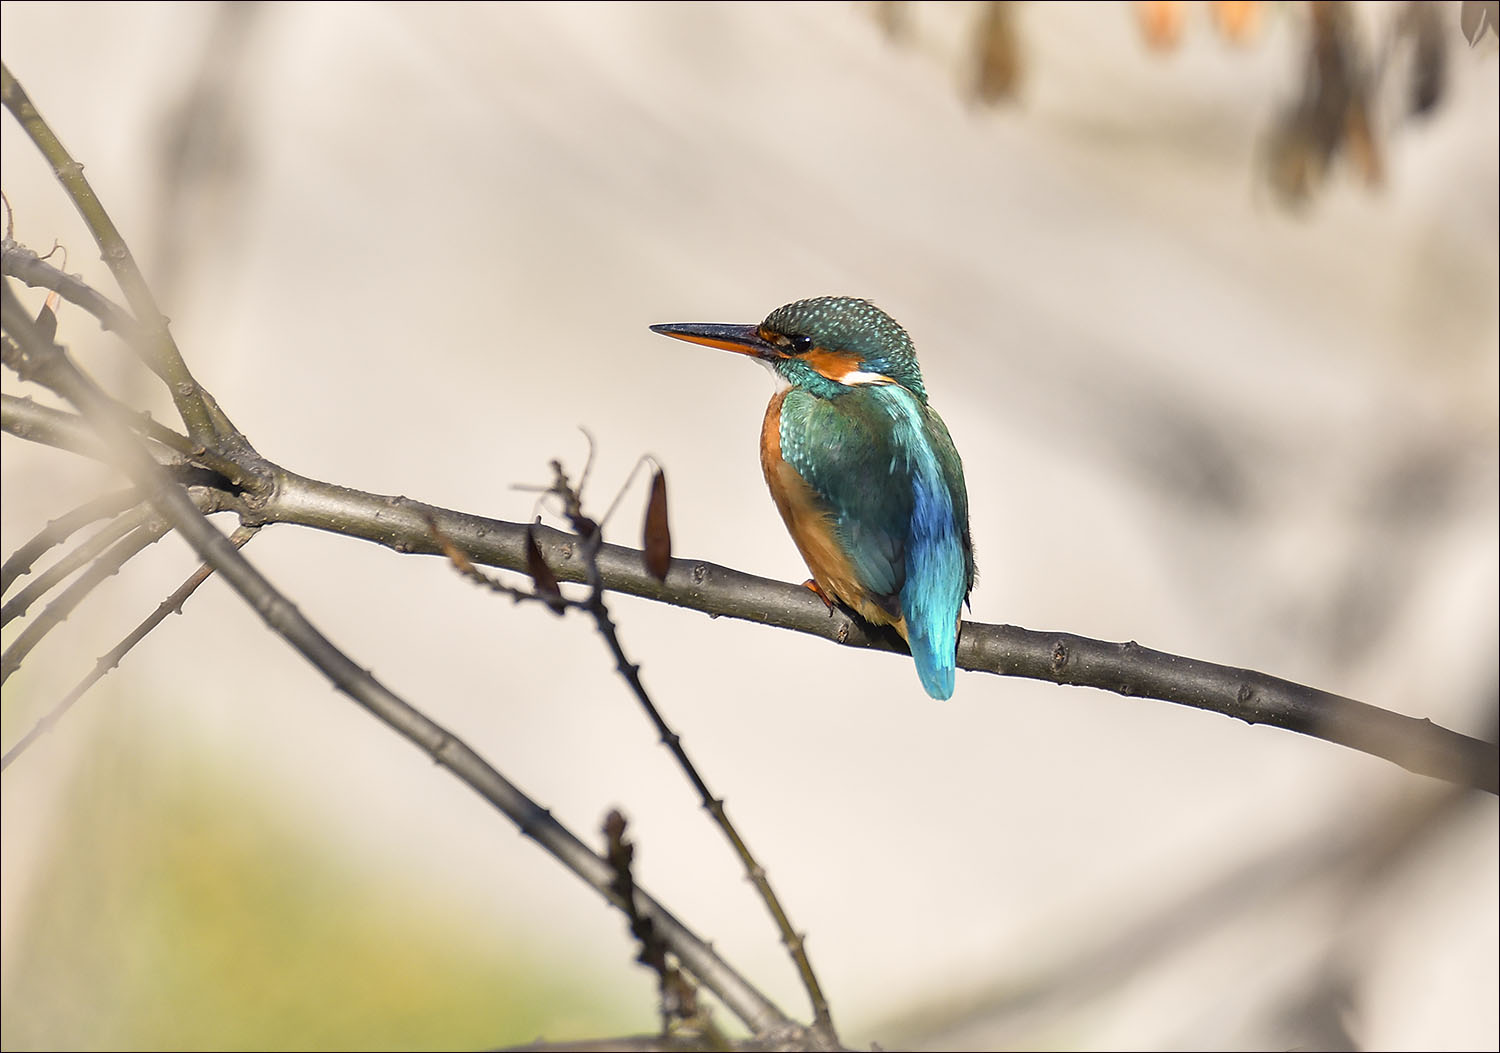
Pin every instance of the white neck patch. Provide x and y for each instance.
(858, 377)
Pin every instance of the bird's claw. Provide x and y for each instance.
(817, 591)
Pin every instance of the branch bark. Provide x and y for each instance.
(1128, 669)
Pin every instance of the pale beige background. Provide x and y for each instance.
(426, 250)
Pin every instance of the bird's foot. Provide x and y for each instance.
(819, 593)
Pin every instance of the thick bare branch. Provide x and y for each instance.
(1062, 658)
(1128, 669)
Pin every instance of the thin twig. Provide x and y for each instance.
(184, 390)
(87, 550)
(58, 530)
(23, 263)
(590, 538)
(29, 420)
(172, 604)
(152, 530)
(464, 566)
(25, 418)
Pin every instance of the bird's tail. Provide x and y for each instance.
(939, 572)
(934, 648)
(936, 582)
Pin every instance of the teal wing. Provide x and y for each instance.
(886, 470)
(951, 470)
(939, 560)
(845, 448)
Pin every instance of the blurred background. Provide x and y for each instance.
(1207, 297)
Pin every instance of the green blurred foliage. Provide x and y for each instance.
(178, 912)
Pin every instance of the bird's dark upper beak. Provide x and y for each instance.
(741, 339)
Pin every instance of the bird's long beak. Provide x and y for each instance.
(741, 339)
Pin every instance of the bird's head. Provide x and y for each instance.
(828, 344)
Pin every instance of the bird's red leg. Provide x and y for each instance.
(817, 589)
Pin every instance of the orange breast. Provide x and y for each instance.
(811, 526)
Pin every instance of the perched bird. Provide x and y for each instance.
(862, 469)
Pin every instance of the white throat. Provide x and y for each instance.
(782, 383)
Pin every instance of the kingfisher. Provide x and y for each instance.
(862, 469)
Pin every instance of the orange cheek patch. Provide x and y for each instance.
(831, 364)
(842, 368)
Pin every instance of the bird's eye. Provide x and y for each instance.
(798, 344)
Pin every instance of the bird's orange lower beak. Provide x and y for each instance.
(741, 339)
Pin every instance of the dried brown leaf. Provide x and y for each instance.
(46, 321)
(1475, 16)
(999, 59)
(657, 543)
(542, 577)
